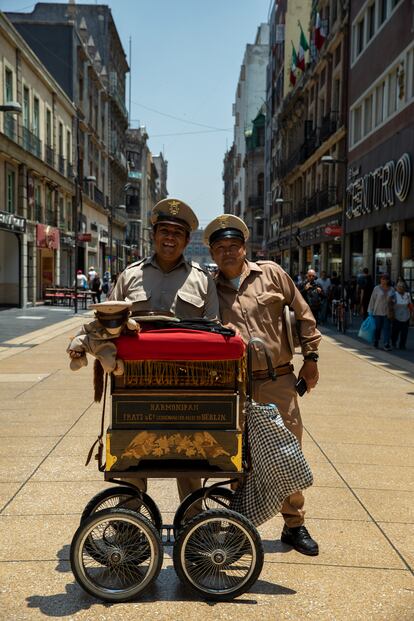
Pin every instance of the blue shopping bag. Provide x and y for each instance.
(367, 329)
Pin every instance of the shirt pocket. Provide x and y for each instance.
(270, 306)
(139, 297)
(190, 297)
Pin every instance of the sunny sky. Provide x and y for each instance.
(185, 62)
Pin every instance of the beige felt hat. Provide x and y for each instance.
(174, 211)
(225, 227)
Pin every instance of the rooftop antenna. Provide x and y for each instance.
(130, 71)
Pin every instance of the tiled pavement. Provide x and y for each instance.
(359, 440)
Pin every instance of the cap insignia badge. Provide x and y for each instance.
(223, 220)
(174, 207)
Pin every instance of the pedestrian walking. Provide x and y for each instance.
(325, 283)
(95, 287)
(81, 280)
(365, 286)
(403, 309)
(312, 293)
(252, 298)
(379, 306)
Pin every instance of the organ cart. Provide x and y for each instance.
(177, 411)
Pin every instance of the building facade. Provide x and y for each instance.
(250, 95)
(36, 176)
(80, 46)
(380, 191)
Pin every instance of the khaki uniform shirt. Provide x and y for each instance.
(256, 310)
(187, 290)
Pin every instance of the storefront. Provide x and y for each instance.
(47, 244)
(12, 228)
(322, 245)
(380, 211)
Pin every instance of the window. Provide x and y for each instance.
(60, 139)
(9, 85)
(359, 36)
(379, 103)
(36, 117)
(336, 96)
(48, 127)
(392, 92)
(383, 10)
(10, 191)
(68, 147)
(368, 114)
(371, 21)
(357, 124)
(26, 107)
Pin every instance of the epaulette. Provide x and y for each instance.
(135, 263)
(198, 266)
(266, 262)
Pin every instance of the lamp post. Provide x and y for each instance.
(329, 160)
(282, 201)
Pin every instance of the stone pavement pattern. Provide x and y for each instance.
(359, 440)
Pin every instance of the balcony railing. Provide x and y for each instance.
(329, 125)
(319, 201)
(61, 161)
(113, 91)
(49, 155)
(31, 142)
(99, 197)
(10, 127)
(38, 212)
(69, 171)
(255, 201)
(51, 217)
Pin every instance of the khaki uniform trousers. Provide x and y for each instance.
(282, 393)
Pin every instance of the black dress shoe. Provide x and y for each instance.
(300, 540)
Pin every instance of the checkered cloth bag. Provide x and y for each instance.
(277, 465)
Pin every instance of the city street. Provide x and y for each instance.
(359, 440)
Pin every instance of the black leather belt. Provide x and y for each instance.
(284, 369)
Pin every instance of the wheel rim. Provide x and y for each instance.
(218, 555)
(117, 555)
(125, 501)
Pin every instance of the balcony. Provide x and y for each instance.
(69, 171)
(37, 212)
(31, 142)
(113, 91)
(256, 201)
(61, 165)
(49, 155)
(319, 201)
(51, 217)
(10, 127)
(99, 197)
(329, 125)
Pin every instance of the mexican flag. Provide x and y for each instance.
(319, 32)
(293, 65)
(303, 47)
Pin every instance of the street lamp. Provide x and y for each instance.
(282, 201)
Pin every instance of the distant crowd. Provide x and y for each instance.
(92, 282)
(389, 303)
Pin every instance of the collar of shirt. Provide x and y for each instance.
(152, 260)
(249, 267)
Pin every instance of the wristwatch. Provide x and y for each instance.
(313, 355)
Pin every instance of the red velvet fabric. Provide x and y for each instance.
(175, 344)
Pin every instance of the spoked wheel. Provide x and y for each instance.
(124, 497)
(127, 554)
(219, 554)
(201, 500)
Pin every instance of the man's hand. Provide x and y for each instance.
(310, 374)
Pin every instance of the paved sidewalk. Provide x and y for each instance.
(359, 440)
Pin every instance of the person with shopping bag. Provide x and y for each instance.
(252, 299)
